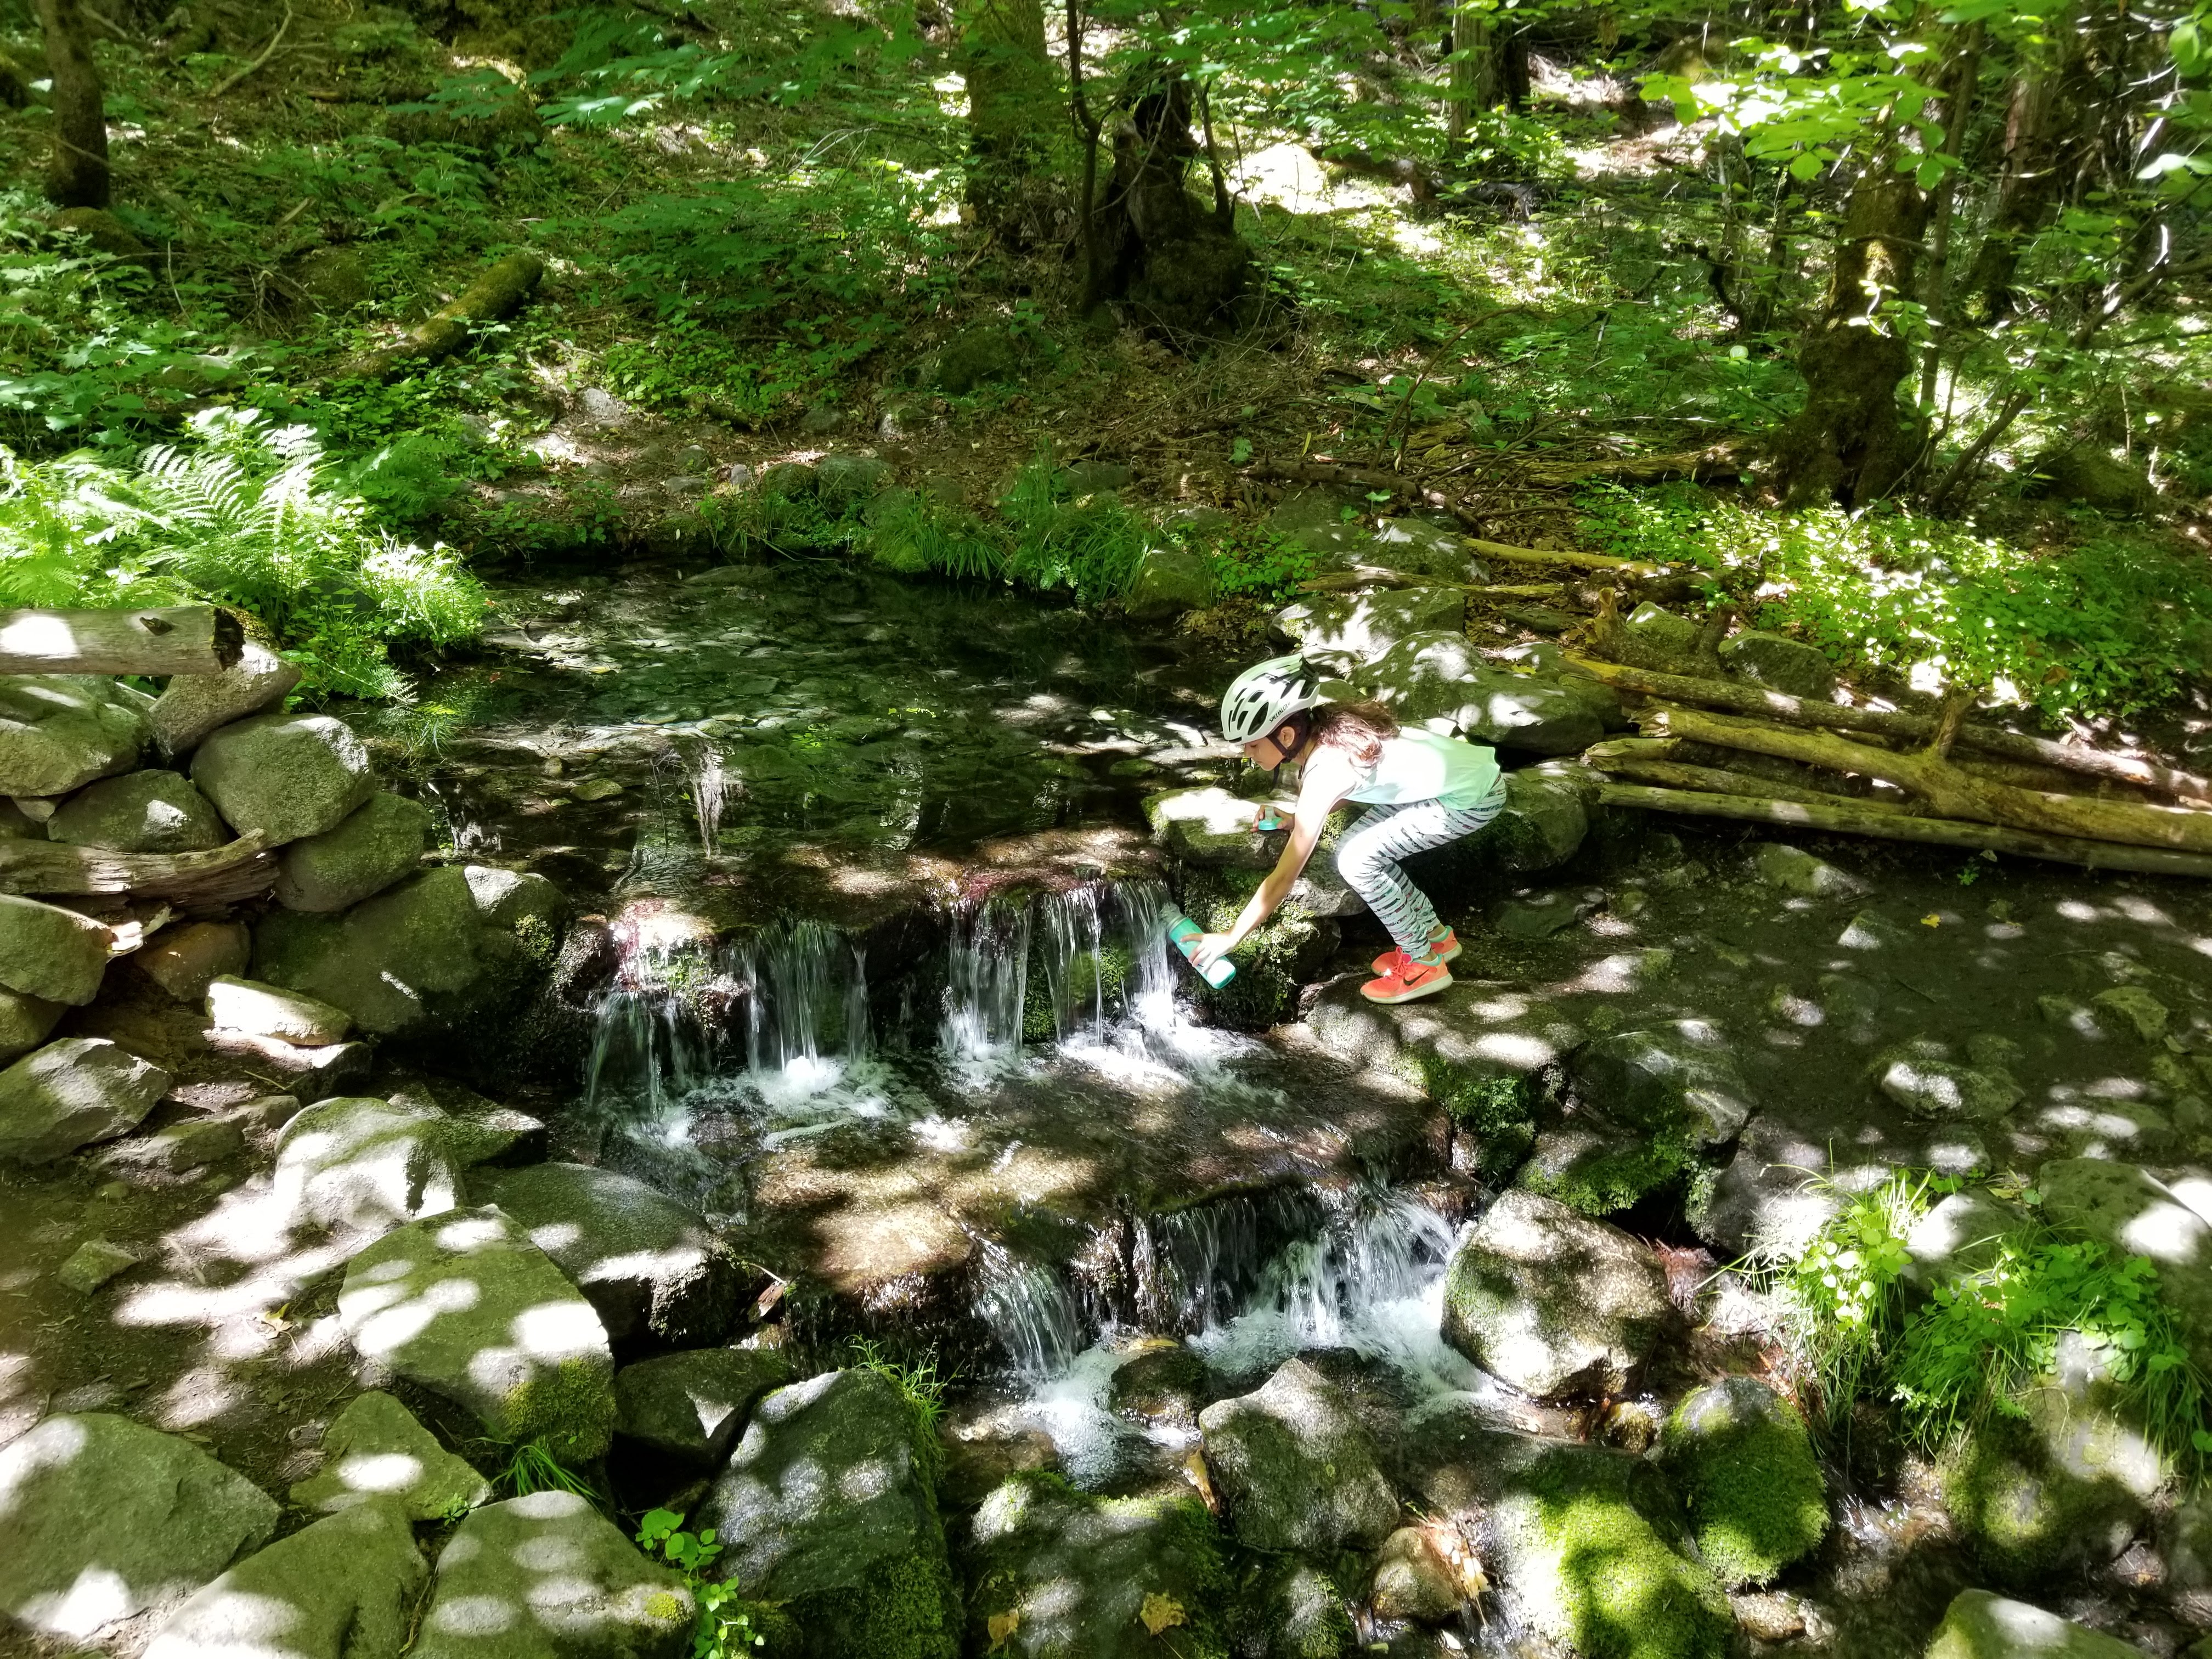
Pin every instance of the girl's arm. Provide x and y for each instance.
(1327, 780)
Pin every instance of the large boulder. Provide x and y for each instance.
(101, 1517)
(1058, 1574)
(1553, 1303)
(1296, 1469)
(139, 812)
(1167, 581)
(60, 731)
(25, 1022)
(1349, 628)
(434, 951)
(1420, 549)
(71, 1093)
(826, 1506)
(48, 952)
(1780, 664)
(359, 1167)
(269, 1011)
(1678, 1081)
(376, 844)
(1210, 826)
(646, 1263)
(286, 775)
(1545, 817)
(1741, 1458)
(548, 1576)
(1655, 638)
(464, 1305)
(193, 705)
(1440, 680)
(692, 1406)
(1982, 1625)
(377, 1453)
(343, 1588)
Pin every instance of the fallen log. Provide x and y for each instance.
(1952, 792)
(1726, 460)
(1580, 561)
(1839, 818)
(1368, 575)
(1910, 728)
(239, 870)
(1657, 760)
(444, 331)
(183, 639)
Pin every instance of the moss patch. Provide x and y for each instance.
(570, 1407)
(1744, 1463)
(2024, 1516)
(915, 1613)
(1499, 1112)
(1615, 1589)
(1599, 1176)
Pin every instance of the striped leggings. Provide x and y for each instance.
(1368, 858)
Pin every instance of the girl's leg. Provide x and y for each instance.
(1368, 859)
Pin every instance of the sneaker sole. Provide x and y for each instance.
(1443, 983)
(1451, 953)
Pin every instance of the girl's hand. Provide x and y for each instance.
(1212, 947)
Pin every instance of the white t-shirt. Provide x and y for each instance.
(1417, 765)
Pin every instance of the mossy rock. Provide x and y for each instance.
(1295, 1611)
(1096, 981)
(1601, 1174)
(1287, 953)
(2022, 1512)
(1742, 1460)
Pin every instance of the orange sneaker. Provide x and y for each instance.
(1414, 981)
(1447, 950)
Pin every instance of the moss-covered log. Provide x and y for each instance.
(444, 331)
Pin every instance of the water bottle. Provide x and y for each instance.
(1184, 934)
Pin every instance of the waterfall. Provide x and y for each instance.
(810, 999)
(1055, 966)
(709, 787)
(1191, 1268)
(986, 978)
(1027, 1307)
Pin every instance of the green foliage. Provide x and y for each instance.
(533, 1467)
(916, 534)
(1614, 1176)
(2107, 627)
(245, 514)
(1253, 563)
(729, 1625)
(1090, 545)
(1991, 1333)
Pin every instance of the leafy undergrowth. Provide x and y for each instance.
(244, 513)
(2107, 627)
(1988, 1335)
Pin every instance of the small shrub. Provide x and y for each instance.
(729, 1625)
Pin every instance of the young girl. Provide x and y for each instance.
(1420, 790)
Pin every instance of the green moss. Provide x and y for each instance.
(569, 1408)
(1499, 1112)
(1605, 1177)
(1288, 952)
(1616, 1588)
(2022, 1515)
(1744, 1463)
(914, 1613)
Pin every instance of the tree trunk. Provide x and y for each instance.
(1851, 443)
(2042, 140)
(183, 639)
(1935, 290)
(1014, 108)
(77, 175)
(1179, 268)
(506, 285)
(1473, 84)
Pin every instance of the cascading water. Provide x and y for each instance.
(987, 962)
(809, 1004)
(710, 790)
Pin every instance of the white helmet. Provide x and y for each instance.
(1265, 695)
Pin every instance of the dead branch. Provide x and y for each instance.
(185, 639)
(487, 299)
(242, 869)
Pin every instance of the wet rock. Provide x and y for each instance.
(1432, 678)
(1678, 1081)
(51, 953)
(1299, 1613)
(825, 1507)
(101, 1517)
(1742, 1460)
(1163, 1380)
(359, 1166)
(25, 1022)
(193, 705)
(1918, 1078)
(71, 1093)
(1420, 547)
(1599, 1169)
(375, 1451)
(464, 1305)
(286, 775)
(548, 1576)
(1981, 1625)
(1767, 1616)
(2130, 1010)
(648, 1263)
(1168, 580)
(976, 356)
(1352, 629)
(692, 1405)
(1545, 819)
(343, 1588)
(245, 1005)
(1552, 1302)
(1412, 1580)
(1058, 1574)
(1295, 1468)
(375, 845)
(1871, 931)
(846, 481)
(139, 812)
(1541, 915)
(1793, 870)
(184, 960)
(93, 1262)
(60, 731)
(439, 949)
(1211, 826)
(1779, 663)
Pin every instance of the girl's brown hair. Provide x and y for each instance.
(1358, 729)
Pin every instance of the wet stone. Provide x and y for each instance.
(93, 1262)
(1295, 1469)
(692, 1406)
(1540, 915)
(1412, 1580)
(1927, 1086)
(2130, 1010)
(1793, 870)
(1979, 1624)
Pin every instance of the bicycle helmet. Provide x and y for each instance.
(1265, 695)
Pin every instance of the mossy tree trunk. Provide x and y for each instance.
(77, 175)
(2046, 134)
(1014, 108)
(1853, 442)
